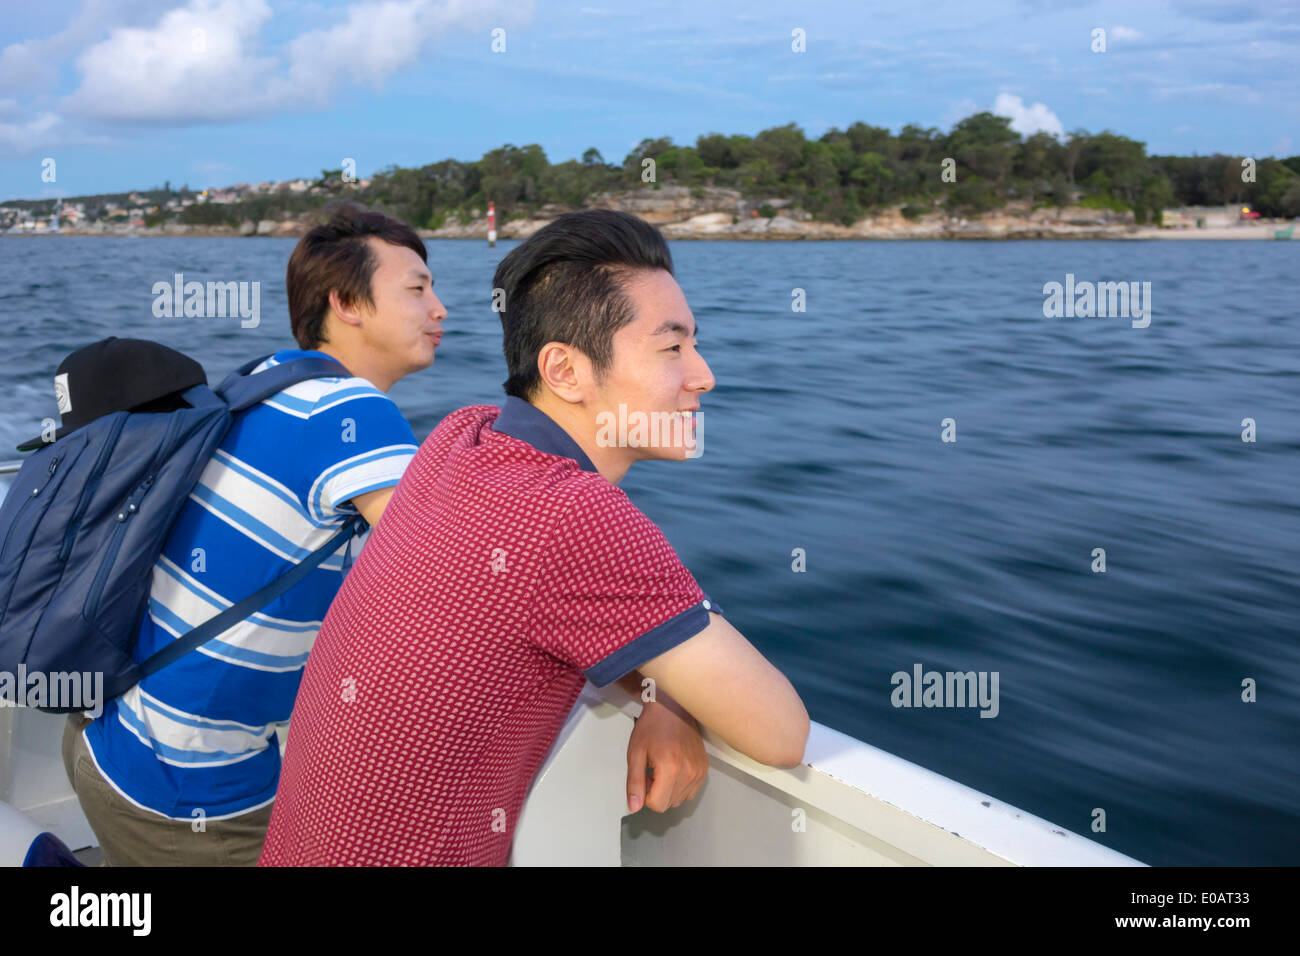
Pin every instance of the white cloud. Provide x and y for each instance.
(24, 132)
(380, 38)
(204, 62)
(1124, 33)
(24, 137)
(25, 66)
(210, 166)
(1027, 120)
(34, 64)
(197, 62)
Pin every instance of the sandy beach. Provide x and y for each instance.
(1252, 231)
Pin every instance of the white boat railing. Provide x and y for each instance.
(848, 803)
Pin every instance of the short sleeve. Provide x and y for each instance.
(356, 441)
(613, 594)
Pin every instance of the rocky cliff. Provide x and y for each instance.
(713, 213)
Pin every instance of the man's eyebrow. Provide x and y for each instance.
(421, 274)
(675, 325)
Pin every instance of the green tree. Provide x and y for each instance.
(869, 139)
(872, 177)
(715, 150)
(819, 169)
(646, 149)
(985, 145)
(1154, 196)
(756, 174)
(1118, 161)
(1272, 180)
(1290, 203)
(782, 147)
(1038, 160)
(919, 145)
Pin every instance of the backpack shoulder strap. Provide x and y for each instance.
(241, 389)
(249, 605)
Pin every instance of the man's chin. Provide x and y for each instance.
(667, 453)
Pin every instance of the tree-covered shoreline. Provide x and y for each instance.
(980, 165)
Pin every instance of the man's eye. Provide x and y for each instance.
(675, 348)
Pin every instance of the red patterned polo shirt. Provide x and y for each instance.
(505, 572)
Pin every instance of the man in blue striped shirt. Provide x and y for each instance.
(183, 768)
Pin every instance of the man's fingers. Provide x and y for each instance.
(681, 784)
(635, 778)
(693, 786)
(688, 782)
(662, 787)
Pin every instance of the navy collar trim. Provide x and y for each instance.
(288, 355)
(522, 420)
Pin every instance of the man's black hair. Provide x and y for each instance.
(566, 283)
(335, 255)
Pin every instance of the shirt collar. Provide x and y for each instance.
(285, 355)
(522, 420)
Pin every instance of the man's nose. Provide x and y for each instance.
(700, 378)
(436, 309)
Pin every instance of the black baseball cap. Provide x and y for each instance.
(117, 375)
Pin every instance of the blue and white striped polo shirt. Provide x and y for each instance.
(200, 734)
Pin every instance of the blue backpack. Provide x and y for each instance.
(87, 518)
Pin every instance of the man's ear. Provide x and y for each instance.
(347, 314)
(564, 370)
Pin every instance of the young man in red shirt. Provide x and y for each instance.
(510, 568)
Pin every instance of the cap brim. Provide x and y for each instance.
(39, 442)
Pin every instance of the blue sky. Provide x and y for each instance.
(130, 93)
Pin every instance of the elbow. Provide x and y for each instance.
(788, 753)
(794, 756)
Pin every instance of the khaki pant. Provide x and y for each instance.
(130, 836)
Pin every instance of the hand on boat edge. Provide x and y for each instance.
(667, 739)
